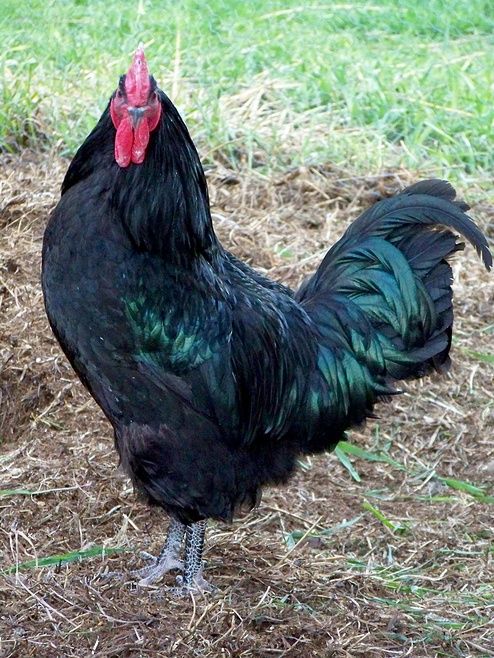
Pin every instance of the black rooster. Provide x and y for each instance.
(214, 378)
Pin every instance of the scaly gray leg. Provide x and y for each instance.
(192, 581)
(167, 560)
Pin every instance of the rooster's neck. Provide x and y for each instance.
(163, 203)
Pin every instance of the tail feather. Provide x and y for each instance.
(382, 296)
(427, 204)
(423, 249)
(438, 188)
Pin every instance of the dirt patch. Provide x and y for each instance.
(311, 572)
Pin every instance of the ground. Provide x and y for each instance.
(384, 549)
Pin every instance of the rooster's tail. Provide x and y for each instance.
(382, 296)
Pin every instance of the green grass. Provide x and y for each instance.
(345, 449)
(31, 492)
(480, 356)
(63, 558)
(367, 85)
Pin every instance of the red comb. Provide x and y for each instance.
(137, 84)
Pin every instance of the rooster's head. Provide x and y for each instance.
(135, 111)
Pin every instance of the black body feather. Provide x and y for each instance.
(214, 378)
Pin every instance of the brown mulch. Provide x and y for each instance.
(294, 579)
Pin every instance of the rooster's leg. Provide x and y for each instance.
(192, 580)
(167, 560)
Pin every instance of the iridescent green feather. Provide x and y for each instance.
(178, 342)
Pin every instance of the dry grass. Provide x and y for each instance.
(294, 579)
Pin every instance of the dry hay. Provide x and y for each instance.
(420, 588)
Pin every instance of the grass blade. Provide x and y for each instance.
(17, 492)
(480, 356)
(32, 492)
(345, 461)
(61, 558)
(292, 538)
(399, 528)
(467, 487)
(461, 485)
(357, 451)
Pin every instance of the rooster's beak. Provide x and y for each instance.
(136, 114)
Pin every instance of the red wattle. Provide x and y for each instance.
(141, 139)
(123, 142)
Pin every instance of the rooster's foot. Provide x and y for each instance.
(166, 561)
(152, 573)
(198, 585)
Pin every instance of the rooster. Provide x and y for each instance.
(215, 378)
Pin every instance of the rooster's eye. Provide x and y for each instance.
(119, 93)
